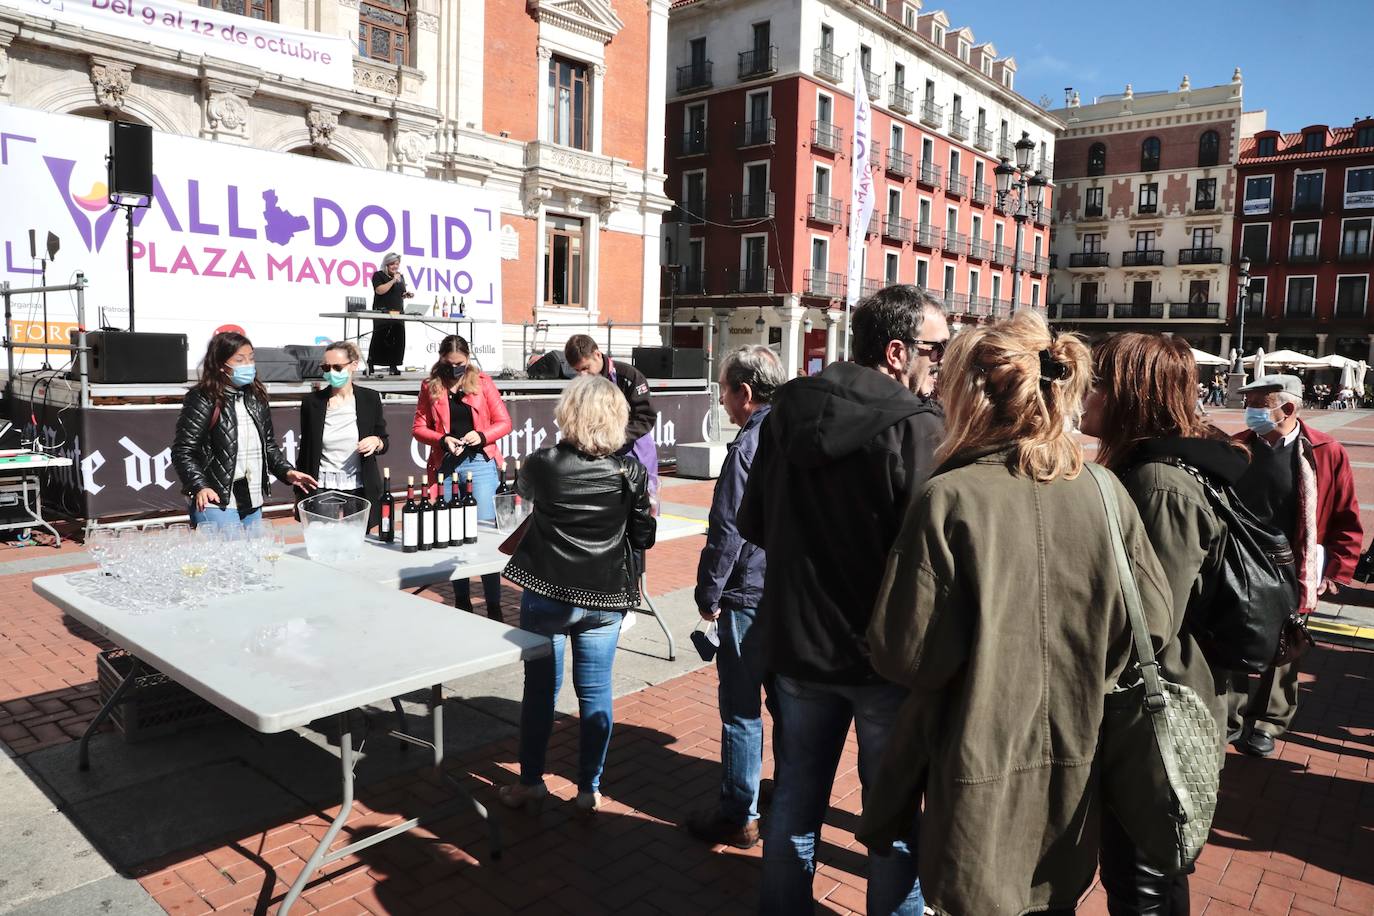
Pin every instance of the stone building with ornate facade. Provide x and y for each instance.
(557, 105)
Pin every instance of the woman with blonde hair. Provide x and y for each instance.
(1002, 611)
(577, 568)
(460, 415)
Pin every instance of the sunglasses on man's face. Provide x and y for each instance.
(935, 348)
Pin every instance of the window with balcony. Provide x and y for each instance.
(1092, 203)
(1355, 240)
(1144, 241)
(1203, 238)
(1259, 194)
(1359, 188)
(1149, 155)
(758, 128)
(694, 196)
(1351, 296)
(1254, 243)
(1087, 293)
(1092, 242)
(1097, 159)
(1314, 142)
(694, 134)
(570, 103)
(949, 283)
(820, 268)
(383, 28)
(1307, 191)
(1254, 296)
(697, 73)
(762, 56)
(254, 9)
(1364, 136)
(1302, 245)
(1301, 291)
(563, 247)
(1205, 198)
(694, 271)
(1147, 198)
(1208, 149)
(753, 266)
(892, 266)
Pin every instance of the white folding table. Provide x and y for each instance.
(389, 565)
(320, 642)
(24, 466)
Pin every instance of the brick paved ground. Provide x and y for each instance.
(1294, 834)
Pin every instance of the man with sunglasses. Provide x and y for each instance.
(838, 459)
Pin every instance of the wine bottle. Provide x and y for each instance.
(469, 514)
(441, 517)
(387, 531)
(462, 306)
(426, 519)
(503, 488)
(410, 520)
(455, 513)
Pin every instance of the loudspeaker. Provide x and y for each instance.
(277, 364)
(670, 362)
(552, 365)
(308, 359)
(131, 160)
(137, 358)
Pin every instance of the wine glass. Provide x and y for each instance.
(273, 549)
(101, 545)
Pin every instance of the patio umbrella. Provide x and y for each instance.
(1359, 377)
(1288, 358)
(1203, 358)
(1258, 359)
(1336, 361)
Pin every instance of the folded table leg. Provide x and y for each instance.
(83, 754)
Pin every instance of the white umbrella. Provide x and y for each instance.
(1258, 360)
(1359, 377)
(1203, 358)
(1336, 361)
(1289, 358)
(1348, 376)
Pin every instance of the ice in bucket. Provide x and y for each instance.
(510, 511)
(335, 525)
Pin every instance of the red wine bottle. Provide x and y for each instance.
(455, 513)
(441, 517)
(410, 520)
(469, 514)
(426, 520)
(387, 531)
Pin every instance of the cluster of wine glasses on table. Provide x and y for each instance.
(162, 566)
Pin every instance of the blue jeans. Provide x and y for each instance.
(594, 636)
(739, 668)
(485, 478)
(815, 723)
(217, 515)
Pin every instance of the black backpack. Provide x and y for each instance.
(1254, 590)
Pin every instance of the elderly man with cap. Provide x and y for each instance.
(1299, 481)
(388, 347)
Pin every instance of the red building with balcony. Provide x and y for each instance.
(759, 124)
(1303, 217)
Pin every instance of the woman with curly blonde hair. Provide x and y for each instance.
(1002, 611)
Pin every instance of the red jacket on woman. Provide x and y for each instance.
(489, 417)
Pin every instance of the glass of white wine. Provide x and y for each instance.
(273, 547)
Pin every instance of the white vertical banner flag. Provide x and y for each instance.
(860, 195)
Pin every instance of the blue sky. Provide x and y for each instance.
(1304, 62)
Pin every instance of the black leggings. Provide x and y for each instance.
(491, 589)
(1133, 886)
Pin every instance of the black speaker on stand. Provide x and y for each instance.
(131, 182)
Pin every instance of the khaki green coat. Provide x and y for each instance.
(1002, 611)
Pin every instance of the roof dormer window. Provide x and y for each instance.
(1313, 142)
(937, 34)
(964, 50)
(909, 17)
(987, 66)
(1266, 146)
(1006, 78)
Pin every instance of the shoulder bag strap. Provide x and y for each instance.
(1155, 699)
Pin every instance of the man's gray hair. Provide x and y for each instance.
(1288, 397)
(756, 366)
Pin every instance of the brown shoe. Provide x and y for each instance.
(709, 827)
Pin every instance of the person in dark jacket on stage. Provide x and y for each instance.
(838, 460)
(225, 451)
(388, 347)
(343, 431)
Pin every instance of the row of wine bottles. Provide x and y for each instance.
(448, 520)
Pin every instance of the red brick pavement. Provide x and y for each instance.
(1294, 834)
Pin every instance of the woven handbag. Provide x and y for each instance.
(1160, 751)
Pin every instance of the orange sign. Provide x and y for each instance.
(28, 335)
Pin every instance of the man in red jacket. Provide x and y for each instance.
(1300, 482)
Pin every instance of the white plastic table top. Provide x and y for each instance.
(319, 643)
(14, 461)
(387, 564)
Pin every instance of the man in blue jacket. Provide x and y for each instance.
(729, 586)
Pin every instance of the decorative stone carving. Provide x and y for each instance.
(543, 52)
(4, 69)
(588, 18)
(322, 123)
(349, 4)
(226, 111)
(377, 79)
(427, 22)
(536, 198)
(574, 202)
(605, 209)
(111, 81)
(599, 70)
(412, 147)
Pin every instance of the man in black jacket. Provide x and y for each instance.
(585, 358)
(838, 459)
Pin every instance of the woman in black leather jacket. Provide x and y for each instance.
(576, 565)
(227, 476)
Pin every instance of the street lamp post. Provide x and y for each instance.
(1020, 193)
(1237, 377)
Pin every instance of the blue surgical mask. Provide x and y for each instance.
(337, 379)
(243, 376)
(1260, 420)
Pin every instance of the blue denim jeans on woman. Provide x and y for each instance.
(815, 723)
(485, 478)
(594, 635)
(739, 668)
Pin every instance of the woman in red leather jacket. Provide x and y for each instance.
(461, 414)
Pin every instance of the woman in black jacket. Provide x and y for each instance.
(576, 565)
(225, 451)
(343, 431)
